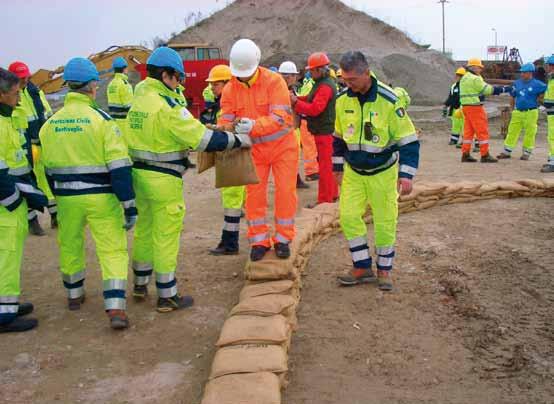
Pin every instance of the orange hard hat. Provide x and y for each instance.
(318, 59)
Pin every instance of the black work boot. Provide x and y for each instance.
(140, 292)
(34, 227)
(547, 168)
(75, 304)
(487, 158)
(258, 252)
(357, 276)
(312, 177)
(24, 309)
(54, 221)
(165, 305)
(222, 249)
(504, 156)
(467, 158)
(19, 325)
(301, 184)
(282, 250)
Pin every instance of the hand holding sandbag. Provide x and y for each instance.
(244, 126)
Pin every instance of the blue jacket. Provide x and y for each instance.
(526, 93)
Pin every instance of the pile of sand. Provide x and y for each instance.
(294, 28)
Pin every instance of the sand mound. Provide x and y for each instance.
(295, 28)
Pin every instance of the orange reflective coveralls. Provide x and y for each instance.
(265, 99)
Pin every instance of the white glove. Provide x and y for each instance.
(245, 141)
(244, 127)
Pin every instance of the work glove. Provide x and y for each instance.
(244, 126)
(245, 141)
(444, 112)
(131, 214)
(507, 89)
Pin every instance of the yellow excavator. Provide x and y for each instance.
(51, 81)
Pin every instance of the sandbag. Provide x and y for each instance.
(548, 183)
(234, 168)
(238, 330)
(425, 205)
(488, 188)
(431, 189)
(267, 305)
(249, 359)
(530, 183)
(510, 186)
(421, 198)
(247, 388)
(452, 189)
(205, 161)
(270, 268)
(468, 187)
(284, 287)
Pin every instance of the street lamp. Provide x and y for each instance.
(443, 2)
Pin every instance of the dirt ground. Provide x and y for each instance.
(459, 328)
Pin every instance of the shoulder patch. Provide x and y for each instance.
(103, 114)
(387, 93)
(401, 112)
(171, 102)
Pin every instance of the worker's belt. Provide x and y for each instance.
(376, 170)
(525, 109)
(271, 137)
(172, 163)
(118, 111)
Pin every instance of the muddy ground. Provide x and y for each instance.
(470, 322)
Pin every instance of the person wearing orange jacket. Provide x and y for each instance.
(256, 102)
(319, 108)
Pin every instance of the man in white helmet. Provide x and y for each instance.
(290, 73)
(257, 102)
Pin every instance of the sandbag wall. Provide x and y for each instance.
(250, 365)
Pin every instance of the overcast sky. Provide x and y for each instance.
(46, 33)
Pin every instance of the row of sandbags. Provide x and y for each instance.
(250, 365)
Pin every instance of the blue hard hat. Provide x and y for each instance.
(274, 69)
(527, 68)
(550, 60)
(308, 75)
(119, 63)
(80, 70)
(167, 57)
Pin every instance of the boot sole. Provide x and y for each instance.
(357, 282)
(118, 324)
(386, 287)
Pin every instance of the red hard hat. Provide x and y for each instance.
(20, 69)
(318, 59)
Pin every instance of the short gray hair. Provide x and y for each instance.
(7, 81)
(78, 87)
(354, 61)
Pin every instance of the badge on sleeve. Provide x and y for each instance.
(185, 114)
(401, 112)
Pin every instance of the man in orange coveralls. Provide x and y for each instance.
(256, 102)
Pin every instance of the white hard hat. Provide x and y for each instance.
(288, 67)
(244, 58)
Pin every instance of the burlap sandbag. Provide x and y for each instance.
(205, 161)
(267, 305)
(548, 183)
(422, 198)
(510, 186)
(452, 189)
(532, 184)
(234, 168)
(425, 205)
(431, 189)
(271, 268)
(249, 359)
(488, 188)
(247, 388)
(284, 287)
(468, 187)
(273, 330)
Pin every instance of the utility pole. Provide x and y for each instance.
(442, 3)
(495, 43)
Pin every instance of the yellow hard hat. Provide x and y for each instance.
(339, 73)
(332, 73)
(219, 73)
(461, 71)
(475, 62)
